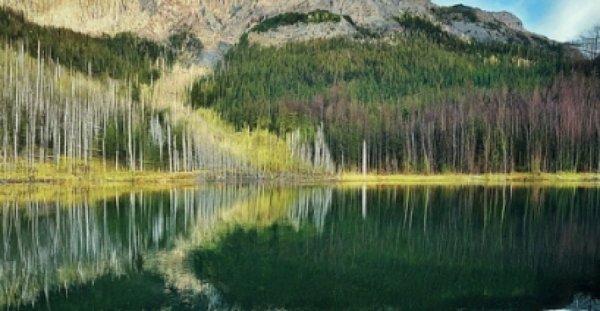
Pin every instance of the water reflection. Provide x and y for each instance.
(226, 246)
(46, 245)
(55, 246)
(417, 248)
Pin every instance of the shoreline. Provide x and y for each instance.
(154, 178)
(71, 188)
(491, 179)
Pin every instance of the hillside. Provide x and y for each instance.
(300, 85)
(63, 119)
(220, 23)
(424, 100)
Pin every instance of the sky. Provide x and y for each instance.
(561, 20)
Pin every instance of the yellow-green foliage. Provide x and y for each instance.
(107, 104)
(48, 182)
(262, 210)
(260, 147)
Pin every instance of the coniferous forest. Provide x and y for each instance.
(77, 102)
(424, 102)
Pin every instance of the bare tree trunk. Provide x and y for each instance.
(4, 138)
(104, 143)
(184, 151)
(16, 130)
(141, 153)
(169, 147)
(129, 135)
(364, 162)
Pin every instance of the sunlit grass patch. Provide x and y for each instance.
(547, 179)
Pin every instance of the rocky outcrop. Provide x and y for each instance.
(220, 23)
(214, 21)
(508, 19)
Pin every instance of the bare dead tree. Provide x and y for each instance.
(589, 43)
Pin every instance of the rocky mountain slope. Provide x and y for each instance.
(321, 101)
(220, 23)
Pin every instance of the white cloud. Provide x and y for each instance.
(569, 18)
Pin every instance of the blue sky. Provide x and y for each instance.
(561, 20)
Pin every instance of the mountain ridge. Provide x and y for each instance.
(425, 88)
(220, 23)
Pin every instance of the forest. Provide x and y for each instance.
(424, 102)
(123, 56)
(54, 118)
(50, 113)
(75, 104)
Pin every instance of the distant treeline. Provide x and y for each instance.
(121, 56)
(424, 102)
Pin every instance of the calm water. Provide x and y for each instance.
(249, 247)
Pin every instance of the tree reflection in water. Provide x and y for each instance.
(303, 247)
(417, 248)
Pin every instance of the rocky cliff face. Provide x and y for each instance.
(220, 23)
(211, 20)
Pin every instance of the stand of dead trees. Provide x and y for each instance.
(50, 114)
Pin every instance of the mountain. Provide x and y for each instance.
(304, 86)
(77, 104)
(220, 23)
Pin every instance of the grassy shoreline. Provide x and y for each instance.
(93, 178)
(67, 187)
(561, 178)
(95, 175)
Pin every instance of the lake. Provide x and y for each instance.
(304, 247)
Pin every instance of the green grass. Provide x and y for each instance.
(95, 172)
(51, 178)
(568, 179)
